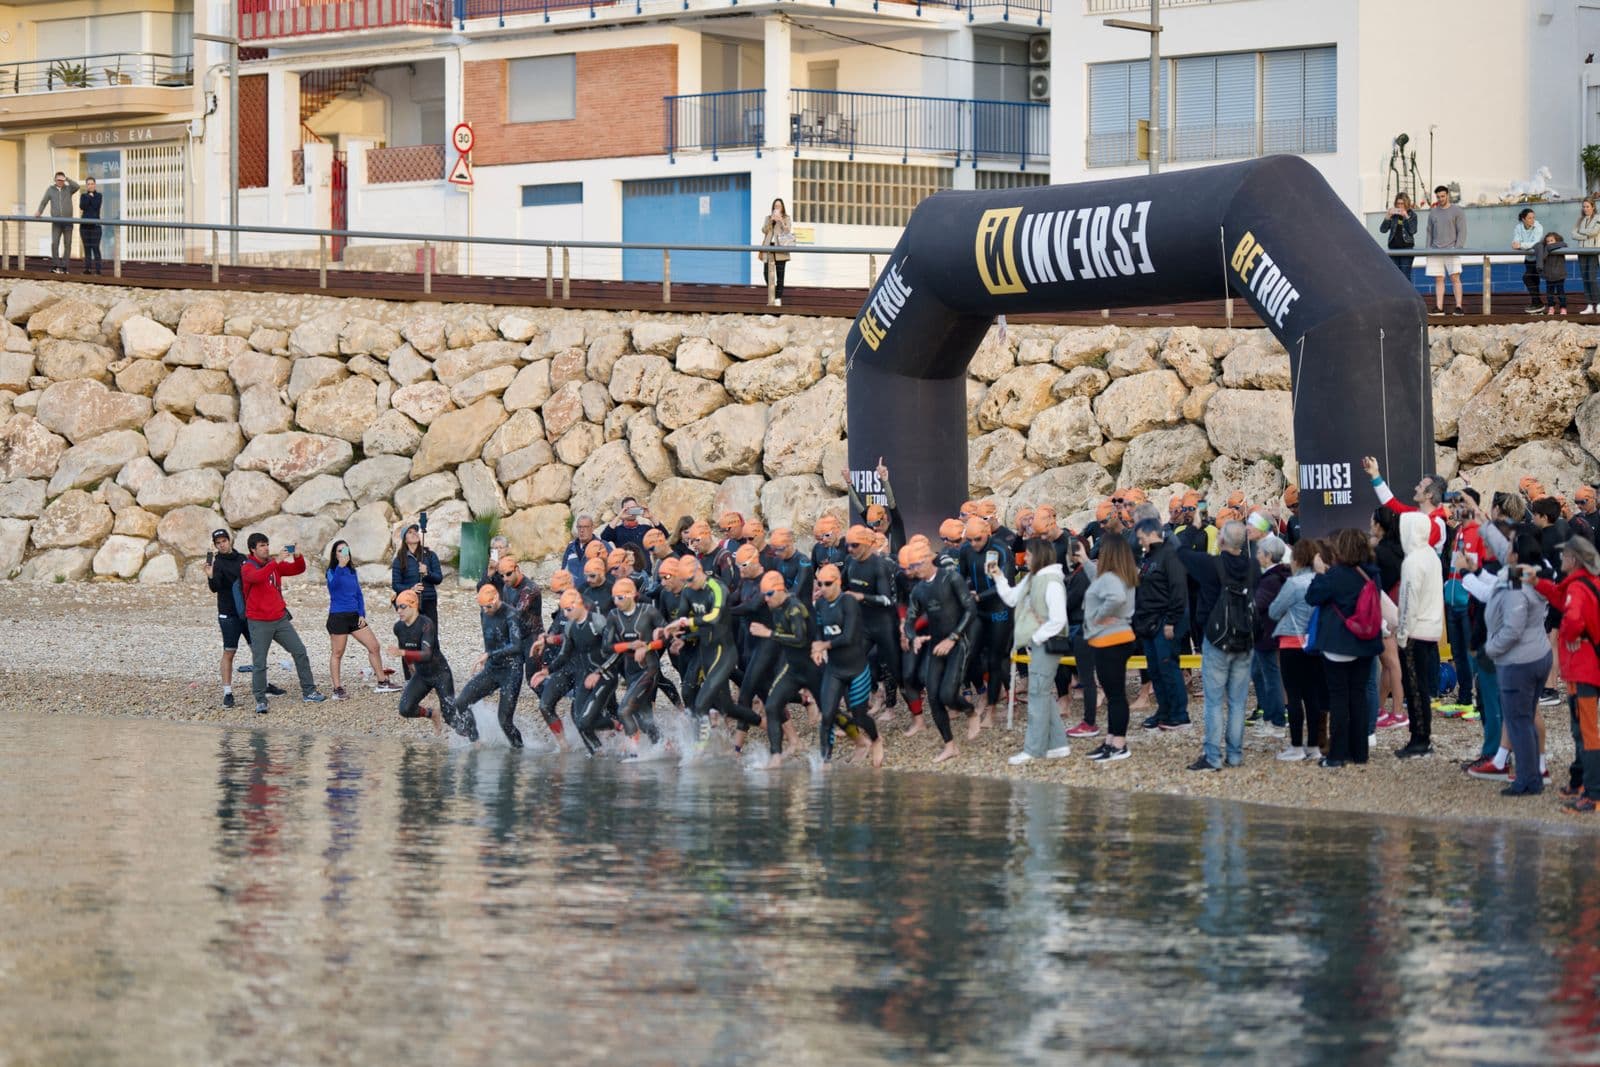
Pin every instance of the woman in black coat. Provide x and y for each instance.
(1335, 591)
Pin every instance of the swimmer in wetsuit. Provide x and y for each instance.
(582, 661)
(789, 633)
(709, 623)
(499, 669)
(417, 643)
(636, 656)
(938, 624)
(840, 649)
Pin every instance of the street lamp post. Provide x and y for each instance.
(233, 131)
(1153, 28)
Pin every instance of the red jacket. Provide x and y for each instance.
(1580, 625)
(263, 601)
(1436, 528)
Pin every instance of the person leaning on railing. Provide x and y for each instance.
(1586, 234)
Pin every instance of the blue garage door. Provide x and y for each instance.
(712, 210)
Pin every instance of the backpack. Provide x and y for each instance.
(1366, 622)
(1231, 627)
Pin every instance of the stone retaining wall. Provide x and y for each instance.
(133, 422)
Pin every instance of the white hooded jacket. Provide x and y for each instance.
(1421, 583)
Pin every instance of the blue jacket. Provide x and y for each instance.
(1289, 607)
(1337, 592)
(405, 572)
(344, 592)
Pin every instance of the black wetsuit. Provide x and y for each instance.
(948, 606)
(502, 671)
(873, 578)
(559, 682)
(597, 597)
(755, 657)
(430, 672)
(584, 652)
(822, 555)
(711, 626)
(798, 575)
(792, 634)
(991, 650)
(846, 676)
(636, 709)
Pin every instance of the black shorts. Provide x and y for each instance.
(345, 622)
(232, 628)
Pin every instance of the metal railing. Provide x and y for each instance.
(108, 70)
(1112, 7)
(824, 118)
(1243, 140)
(261, 20)
(499, 9)
(411, 163)
(1025, 10)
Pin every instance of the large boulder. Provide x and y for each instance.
(515, 466)
(293, 458)
(697, 356)
(657, 338)
(204, 444)
(391, 434)
(70, 319)
(676, 497)
(800, 427)
(162, 433)
(71, 519)
(28, 449)
(367, 532)
(638, 379)
(426, 334)
(997, 461)
(1063, 433)
(323, 494)
(684, 399)
(256, 368)
(1082, 346)
(577, 443)
(457, 436)
(203, 317)
(1250, 423)
(491, 382)
(22, 499)
(249, 496)
(199, 486)
(563, 410)
(406, 367)
(606, 477)
(538, 532)
(181, 390)
(97, 459)
(16, 369)
(604, 351)
(120, 556)
(313, 373)
(58, 565)
(529, 389)
(13, 545)
(522, 429)
(726, 442)
(376, 478)
(459, 364)
(369, 337)
(1560, 466)
(212, 353)
(26, 298)
(1162, 457)
(797, 501)
(741, 493)
(1017, 397)
(775, 377)
(138, 473)
(318, 336)
(262, 411)
(145, 338)
(743, 339)
(420, 494)
(81, 410)
(550, 484)
(479, 488)
(1186, 353)
(1067, 489)
(1136, 354)
(1140, 403)
(1452, 388)
(64, 361)
(344, 409)
(1256, 366)
(1536, 395)
(647, 444)
(141, 377)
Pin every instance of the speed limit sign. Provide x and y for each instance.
(462, 138)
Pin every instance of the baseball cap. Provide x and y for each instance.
(217, 535)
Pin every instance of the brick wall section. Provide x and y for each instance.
(619, 109)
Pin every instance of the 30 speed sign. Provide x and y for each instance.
(462, 138)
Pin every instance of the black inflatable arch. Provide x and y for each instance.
(1271, 229)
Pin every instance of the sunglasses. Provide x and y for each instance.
(828, 585)
(769, 594)
(951, 541)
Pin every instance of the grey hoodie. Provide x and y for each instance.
(1514, 622)
(59, 200)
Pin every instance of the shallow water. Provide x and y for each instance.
(174, 893)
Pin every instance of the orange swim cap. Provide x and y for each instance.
(1291, 495)
(507, 564)
(618, 557)
(730, 520)
(570, 599)
(753, 529)
(487, 594)
(827, 524)
(594, 568)
(407, 598)
(1102, 510)
(1236, 499)
(828, 572)
(771, 582)
(560, 581)
(950, 529)
(782, 537)
(746, 554)
(858, 535)
(654, 537)
(984, 509)
(699, 529)
(915, 555)
(876, 513)
(918, 539)
(1584, 493)
(976, 527)
(624, 587)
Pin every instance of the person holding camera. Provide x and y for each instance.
(1401, 226)
(416, 568)
(261, 577)
(1040, 600)
(347, 618)
(223, 564)
(1514, 642)
(632, 523)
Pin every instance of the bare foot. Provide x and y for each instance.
(974, 727)
(775, 761)
(438, 722)
(791, 736)
(916, 726)
(948, 752)
(877, 753)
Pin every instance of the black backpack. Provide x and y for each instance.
(1231, 627)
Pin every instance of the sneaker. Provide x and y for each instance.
(1267, 729)
(1484, 770)
(1413, 750)
(313, 697)
(1201, 765)
(1330, 763)
(1471, 714)
(1174, 727)
(1579, 805)
(1387, 721)
(1152, 723)
(1059, 753)
(261, 707)
(1084, 729)
(1513, 791)
(1372, 742)
(1019, 759)
(1450, 711)
(386, 686)
(1549, 698)
(276, 690)
(340, 694)
(245, 668)
(1458, 310)
(1255, 716)
(1108, 754)
(1570, 791)
(227, 700)
(1535, 309)
(1292, 754)
(1436, 312)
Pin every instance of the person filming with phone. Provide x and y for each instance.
(262, 578)
(416, 568)
(632, 523)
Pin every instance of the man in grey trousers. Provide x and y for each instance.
(268, 617)
(58, 198)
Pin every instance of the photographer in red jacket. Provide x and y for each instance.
(1577, 597)
(268, 617)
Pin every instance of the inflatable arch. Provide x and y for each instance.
(1270, 230)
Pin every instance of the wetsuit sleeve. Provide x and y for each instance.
(914, 611)
(424, 652)
(849, 624)
(968, 603)
(882, 587)
(513, 636)
(791, 627)
(746, 605)
(713, 613)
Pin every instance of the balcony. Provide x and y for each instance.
(1119, 7)
(967, 130)
(1198, 144)
(111, 85)
(268, 20)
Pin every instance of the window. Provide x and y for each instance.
(862, 194)
(542, 89)
(1009, 179)
(553, 195)
(1002, 69)
(1222, 107)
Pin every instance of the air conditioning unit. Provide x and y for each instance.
(1039, 49)
(1039, 86)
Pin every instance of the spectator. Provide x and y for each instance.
(1040, 603)
(1586, 231)
(89, 202)
(223, 565)
(1347, 659)
(1526, 237)
(499, 545)
(577, 550)
(1227, 586)
(416, 568)
(1447, 230)
(347, 618)
(262, 578)
(58, 198)
(1553, 267)
(1466, 556)
(1585, 522)
(1514, 643)
(1428, 495)
(1305, 688)
(778, 232)
(679, 541)
(1264, 669)
(1401, 226)
(1577, 596)
(633, 522)
(1160, 619)
(1108, 606)
(1421, 607)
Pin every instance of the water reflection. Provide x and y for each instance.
(314, 900)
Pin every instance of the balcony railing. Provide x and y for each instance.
(411, 163)
(499, 9)
(911, 125)
(109, 70)
(1244, 140)
(262, 20)
(1112, 7)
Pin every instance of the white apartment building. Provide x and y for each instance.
(1488, 91)
(636, 120)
